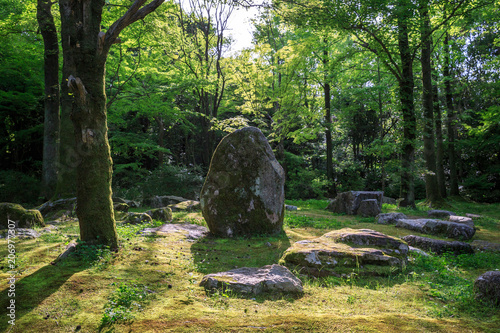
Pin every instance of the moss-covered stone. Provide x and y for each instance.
(346, 251)
(24, 218)
(161, 214)
(188, 205)
(243, 193)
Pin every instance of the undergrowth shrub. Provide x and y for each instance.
(123, 302)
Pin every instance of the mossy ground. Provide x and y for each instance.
(431, 295)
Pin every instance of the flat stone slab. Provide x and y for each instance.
(253, 280)
(480, 245)
(191, 231)
(439, 214)
(462, 219)
(344, 251)
(438, 246)
(487, 287)
(390, 218)
(438, 227)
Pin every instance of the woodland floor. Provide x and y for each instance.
(151, 284)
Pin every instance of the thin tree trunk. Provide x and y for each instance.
(433, 194)
(451, 119)
(406, 90)
(51, 98)
(439, 139)
(328, 124)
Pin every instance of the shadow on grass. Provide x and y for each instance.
(212, 255)
(33, 289)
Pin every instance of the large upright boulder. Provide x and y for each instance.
(349, 202)
(244, 193)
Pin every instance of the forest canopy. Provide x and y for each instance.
(352, 95)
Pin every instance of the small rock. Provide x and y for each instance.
(415, 250)
(487, 287)
(24, 218)
(390, 218)
(438, 227)
(163, 214)
(252, 280)
(290, 207)
(480, 245)
(136, 218)
(473, 216)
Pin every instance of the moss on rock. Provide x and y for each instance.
(347, 251)
(243, 193)
(24, 218)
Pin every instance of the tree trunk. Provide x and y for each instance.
(406, 86)
(80, 26)
(328, 125)
(51, 99)
(433, 194)
(451, 119)
(439, 139)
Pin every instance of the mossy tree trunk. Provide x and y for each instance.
(433, 194)
(85, 51)
(406, 94)
(51, 98)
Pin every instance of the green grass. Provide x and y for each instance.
(151, 284)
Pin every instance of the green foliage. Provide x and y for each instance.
(303, 182)
(10, 183)
(123, 302)
(173, 180)
(293, 220)
(96, 256)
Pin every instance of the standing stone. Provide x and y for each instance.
(349, 202)
(244, 193)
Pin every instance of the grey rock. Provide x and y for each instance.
(390, 201)
(480, 245)
(21, 233)
(390, 218)
(369, 208)
(348, 202)
(130, 203)
(473, 216)
(487, 287)
(163, 201)
(290, 207)
(188, 206)
(161, 214)
(438, 227)
(53, 209)
(191, 231)
(136, 218)
(438, 246)
(418, 251)
(252, 280)
(243, 194)
(344, 251)
(462, 219)
(439, 214)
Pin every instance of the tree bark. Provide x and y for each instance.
(439, 139)
(433, 194)
(451, 119)
(406, 91)
(51, 98)
(85, 50)
(328, 124)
